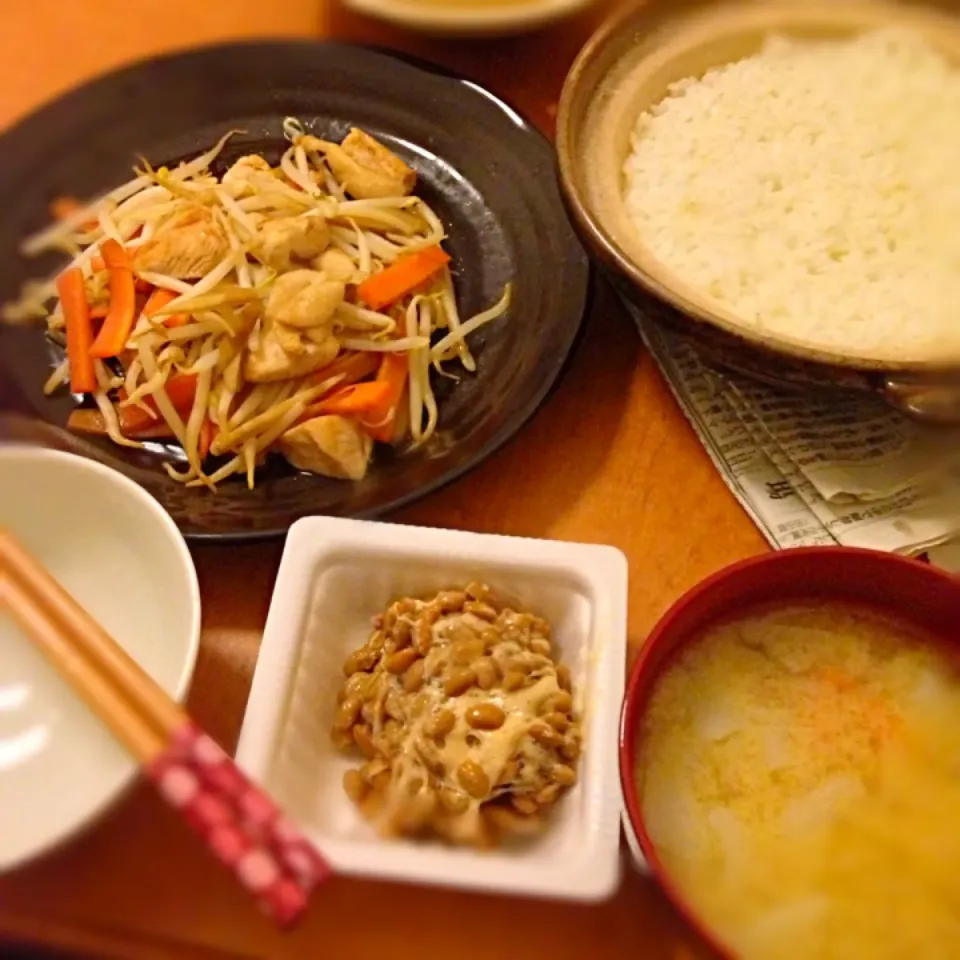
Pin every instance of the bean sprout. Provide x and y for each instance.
(226, 353)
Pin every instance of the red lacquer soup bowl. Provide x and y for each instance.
(910, 590)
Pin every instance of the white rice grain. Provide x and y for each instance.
(812, 189)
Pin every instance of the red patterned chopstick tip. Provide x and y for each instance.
(239, 823)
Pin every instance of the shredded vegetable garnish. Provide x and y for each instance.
(296, 308)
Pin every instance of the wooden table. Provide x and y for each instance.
(609, 460)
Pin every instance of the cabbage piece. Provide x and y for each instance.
(715, 718)
(817, 809)
(781, 932)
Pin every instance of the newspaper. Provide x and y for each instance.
(811, 471)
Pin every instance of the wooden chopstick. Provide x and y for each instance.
(101, 696)
(238, 822)
(116, 688)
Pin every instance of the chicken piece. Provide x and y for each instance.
(238, 177)
(281, 353)
(297, 336)
(332, 446)
(290, 339)
(336, 265)
(310, 143)
(304, 298)
(314, 334)
(186, 248)
(367, 169)
(289, 242)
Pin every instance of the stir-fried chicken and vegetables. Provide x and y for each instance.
(296, 309)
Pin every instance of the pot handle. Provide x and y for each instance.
(639, 860)
(925, 398)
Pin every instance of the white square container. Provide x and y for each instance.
(334, 577)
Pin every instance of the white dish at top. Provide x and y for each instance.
(463, 17)
(112, 546)
(334, 577)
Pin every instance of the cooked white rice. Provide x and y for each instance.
(814, 190)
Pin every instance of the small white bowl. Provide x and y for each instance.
(114, 548)
(334, 577)
(468, 17)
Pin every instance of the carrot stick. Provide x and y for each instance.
(98, 311)
(350, 401)
(63, 207)
(351, 366)
(157, 301)
(404, 275)
(142, 286)
(380, 423)
(135, 419)
(76, 313)
(208, 433)
(180, 390)
(92, 422)
(116, 327)
(136, 423)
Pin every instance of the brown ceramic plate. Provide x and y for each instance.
(482, 167)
